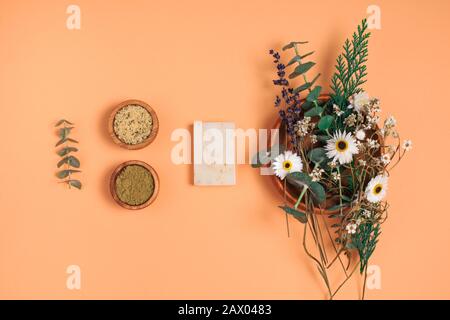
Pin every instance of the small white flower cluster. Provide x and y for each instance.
(362, 103)
(407, 145)
(337, 110)
(304, 126)
(351, 228)
(316, 174)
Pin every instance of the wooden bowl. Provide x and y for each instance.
(112, 184)
(150, 138)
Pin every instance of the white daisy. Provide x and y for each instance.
(376, 188)
(407, 145)
(341, 147)
(359, 101)
(287, 163)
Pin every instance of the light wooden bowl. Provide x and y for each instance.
(150, 138)
(112, 184)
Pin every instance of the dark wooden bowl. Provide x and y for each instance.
(150, 138)
(112, 184)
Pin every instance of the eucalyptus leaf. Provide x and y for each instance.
(345, 198)
(306, 55)
(70, 160)
(64, 140)
(290, 45)
(299, 178)
(302, 69)
(337, 207)
(62, 121)
(74, 162)
(65, 173)
(64, 132)
(66, 150)
(318, 191)
(294, 60)
(316, 111)
(74, 183)
(300, 216)
(303, 87)
(72, 140)
(314, 94)
(323, 138)
(317, 155)
(265, 156)
(60, 142)
(306, 85)
(325, 122)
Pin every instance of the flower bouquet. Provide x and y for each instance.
(336, 159)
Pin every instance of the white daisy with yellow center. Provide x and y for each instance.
(376, 188)
(286, 163)
(341, 147)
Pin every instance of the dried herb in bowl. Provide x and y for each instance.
(134, 185)
(132, 124)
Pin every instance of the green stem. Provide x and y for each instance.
(304, 75)
(300, 197)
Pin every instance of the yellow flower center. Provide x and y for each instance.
(341, 145)
(287, 165)
(377, 189)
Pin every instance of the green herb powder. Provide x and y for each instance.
(134, 185)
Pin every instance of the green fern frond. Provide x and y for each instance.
(351, 69)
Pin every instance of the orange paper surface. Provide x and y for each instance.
(204, 60)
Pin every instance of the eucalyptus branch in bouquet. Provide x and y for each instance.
(69, 161)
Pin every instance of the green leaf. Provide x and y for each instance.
(306, 55)
(64, 132)
(316, 111)
(66, 150)
(290, 45)
(60, 142)
(314, 94)
(74, 183)
(265, 156)
(300, 216)
(62, 121)
(294, 60)
(318, 191)
(301, 69)
(72, 140)
(345, 198)
(306, 85)
(325, 122)
(337, 207)
(299, 178)
(323, 138)
(70, 160)
(317, 155)
(65, 173)
(303, 87)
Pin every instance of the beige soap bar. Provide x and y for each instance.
(214, 154)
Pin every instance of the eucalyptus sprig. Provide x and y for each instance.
(69, 162)
(301, 69)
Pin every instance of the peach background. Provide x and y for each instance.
(203, 60)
